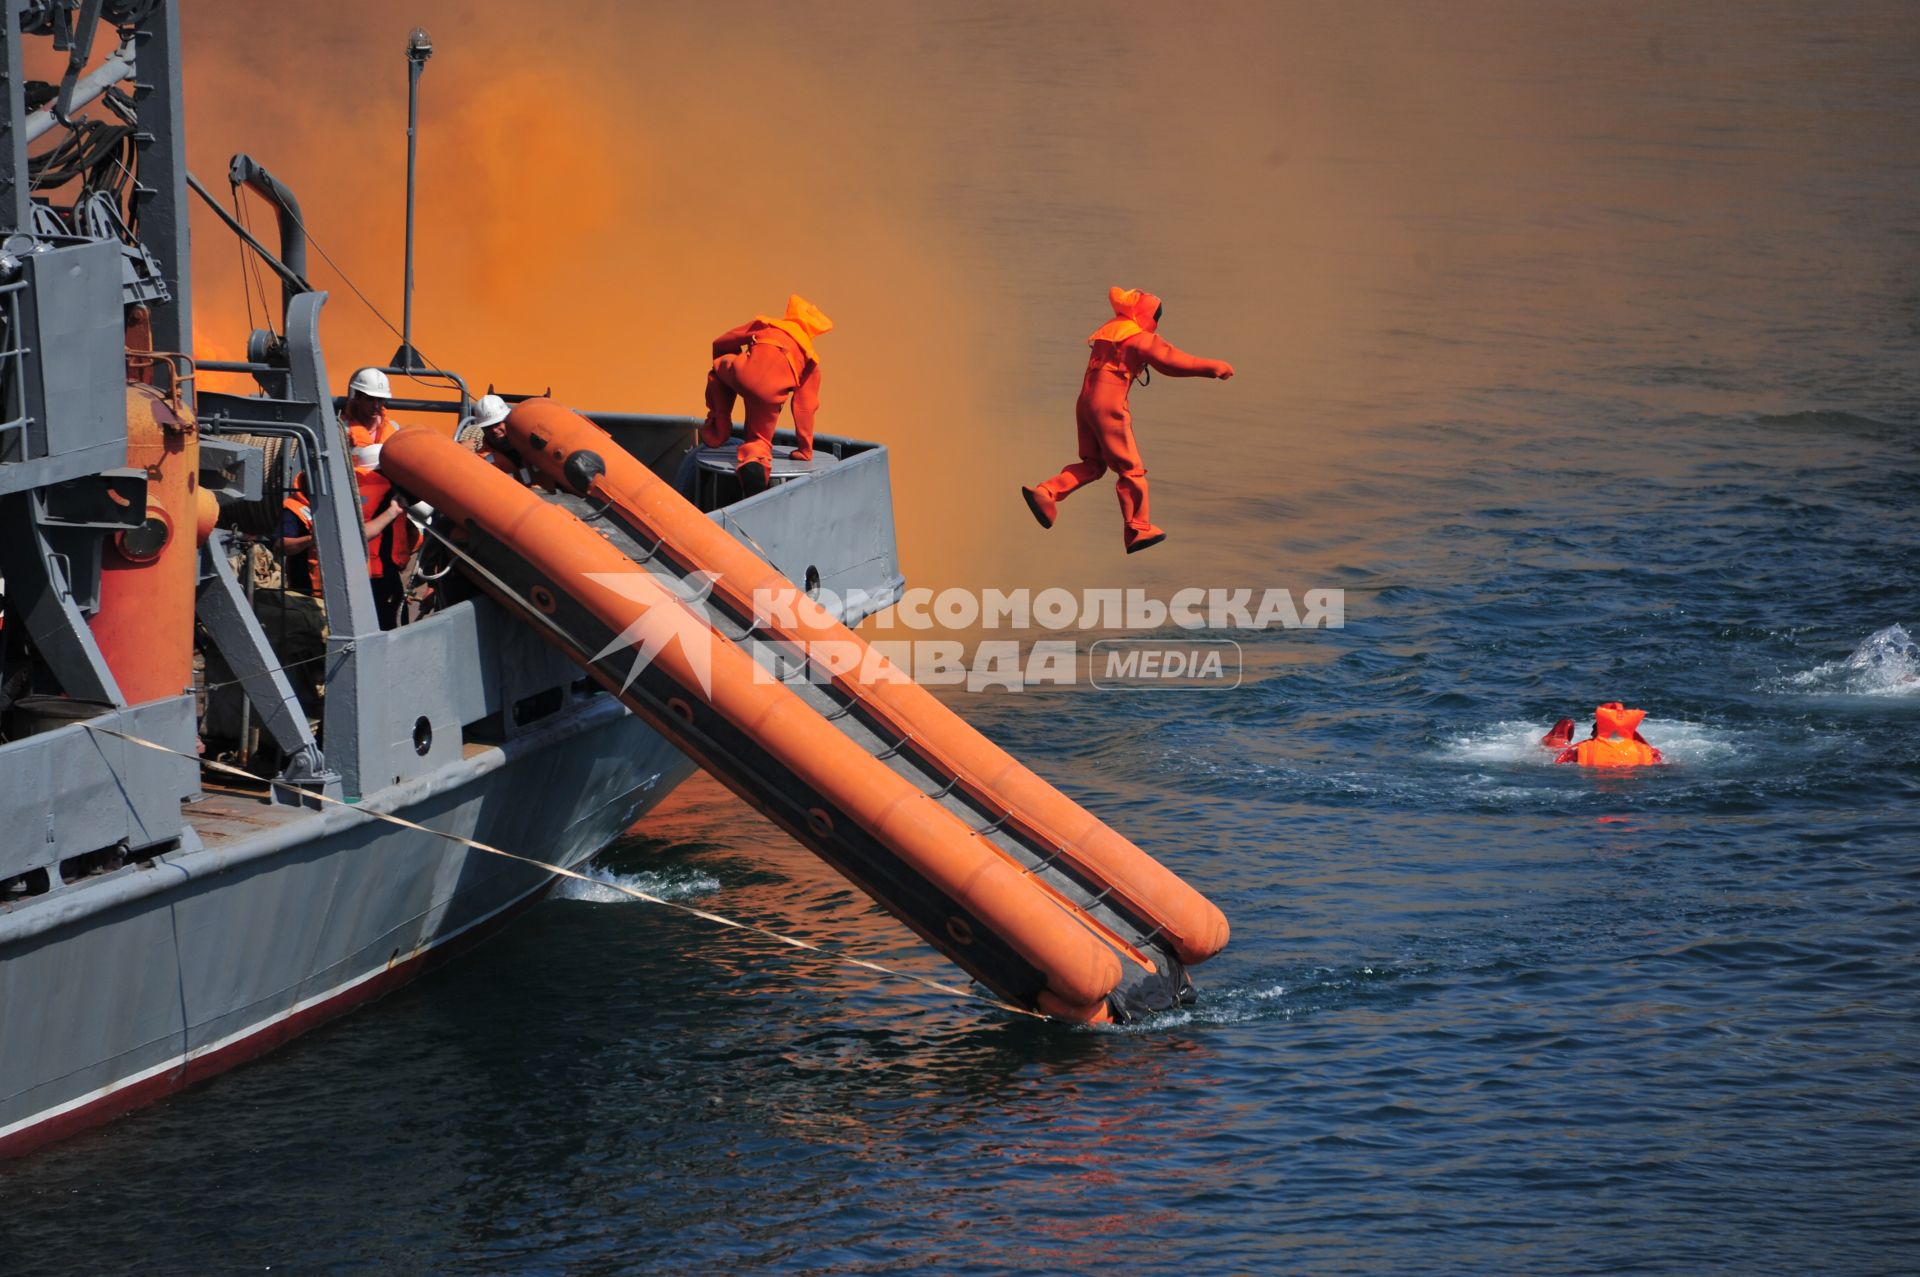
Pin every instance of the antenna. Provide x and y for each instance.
(419, 49)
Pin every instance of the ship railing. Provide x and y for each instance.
(180, 373)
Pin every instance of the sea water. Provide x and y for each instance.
(1581, 348)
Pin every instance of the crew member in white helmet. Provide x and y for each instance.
(391, 540)
(485, 433)
(479, 431)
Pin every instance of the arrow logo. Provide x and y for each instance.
(659, 626)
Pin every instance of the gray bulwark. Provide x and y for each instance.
(75, 790)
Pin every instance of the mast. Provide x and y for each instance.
(419, 49)
(13, 136)
(160, 200)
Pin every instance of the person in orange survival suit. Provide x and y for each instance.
(1123, 349)
(1616, 740)
(392, 539)
(766, 361)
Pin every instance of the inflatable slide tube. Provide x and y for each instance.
(757, 736)
(578, 457)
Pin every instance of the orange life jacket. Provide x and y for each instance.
(1615, 719)
(1133, 314)
(1616, 740)
(302, 569)
(803, 322)
(382, 429)
(396, 544)
(1614, 751)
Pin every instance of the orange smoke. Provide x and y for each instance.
(596, 202)
(1378, 215)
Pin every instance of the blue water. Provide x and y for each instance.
(1480, 1013)
(1600, 380)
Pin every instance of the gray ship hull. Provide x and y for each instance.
(287, 917)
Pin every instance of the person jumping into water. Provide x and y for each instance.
(766, 361)
(1616, 740)
(1123, 349)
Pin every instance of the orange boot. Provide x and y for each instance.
(1045, 508)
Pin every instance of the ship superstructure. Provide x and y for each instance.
(158, 925)
(237, 806)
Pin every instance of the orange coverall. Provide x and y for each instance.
(766, 361)
(1121, 349)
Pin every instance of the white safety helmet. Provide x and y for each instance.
(372, 383)
(367, 457)
(489, 410)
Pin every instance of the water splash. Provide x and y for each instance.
(1514, 742)
(681, 884)
(1508, 741)
(1292, 996)
(1886, 664)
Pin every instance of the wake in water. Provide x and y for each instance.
(1886, 664)
(1304, 993)
(683, 884)
(1511, 741)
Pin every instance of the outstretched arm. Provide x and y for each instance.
(732, 341)
(1168, 359)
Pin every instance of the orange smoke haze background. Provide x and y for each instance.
(601, 191)
(1325, 195)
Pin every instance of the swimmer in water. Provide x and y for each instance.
(1616, 740)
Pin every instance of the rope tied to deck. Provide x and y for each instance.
(561, 871)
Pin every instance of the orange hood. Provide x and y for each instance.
(1133, 310)
(803, 322)
(1615, 719)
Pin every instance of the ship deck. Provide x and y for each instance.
(228, 810)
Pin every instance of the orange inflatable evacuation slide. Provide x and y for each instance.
(1031, 894)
